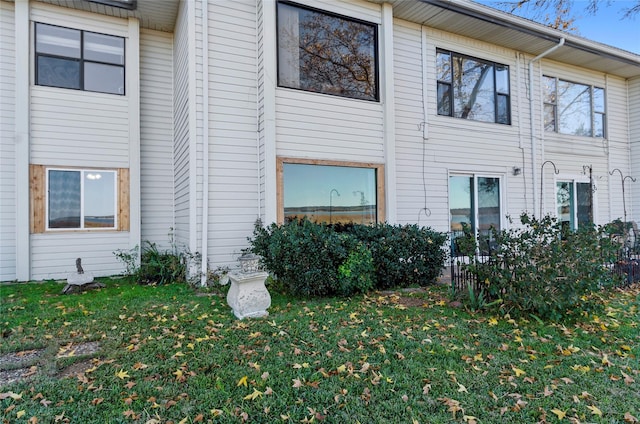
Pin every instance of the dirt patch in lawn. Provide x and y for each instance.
(19, 366)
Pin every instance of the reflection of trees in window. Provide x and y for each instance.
(574, 204)
(571, 108)
(326, 53)
(473, 89)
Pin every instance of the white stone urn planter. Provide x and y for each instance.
(248, 296)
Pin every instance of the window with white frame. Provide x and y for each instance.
(327, 53)
(572, 108)
(574, 201)
(471, 88)
(81, 199)
(475, 203)
(330, 191)
(80, 60)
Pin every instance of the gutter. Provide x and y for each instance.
(534, 143)
(529, 27)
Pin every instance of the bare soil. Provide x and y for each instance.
(17, 366)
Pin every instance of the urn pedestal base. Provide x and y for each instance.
(248, 296)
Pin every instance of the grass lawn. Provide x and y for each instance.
(130, 353)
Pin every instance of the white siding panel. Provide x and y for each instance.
(454, 145)
(571, 153)
(7, 144)
(156, 136)
(181, 126)
(634, 131)
(233, 158)
(96, 250)
(330, 127)
(77, 128)
(320, 126)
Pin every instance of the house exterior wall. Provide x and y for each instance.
(232, 127)
(181, 125)
(71, 128)
(213, 122)
(7, 144)
(634, 134)
(320, 126)
(571, 153)
(451, 145)
(156, 136)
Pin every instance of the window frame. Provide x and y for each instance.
(377, 167)
(376, 50)
(593, 110)
(39, 199)
(496, 93)
(81, 60)
(474, 201)
(574, 221)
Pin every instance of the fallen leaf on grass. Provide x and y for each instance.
(560, 414)
(630, 419)
(256, 393)
(595, 410)
(122, 374)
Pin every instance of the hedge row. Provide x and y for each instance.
(312, 259)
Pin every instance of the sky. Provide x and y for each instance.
(607, 25)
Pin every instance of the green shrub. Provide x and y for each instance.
(320, 260)
(302, 255)
(157, 266)
(403, 255)
(545, 270)
(357, 273)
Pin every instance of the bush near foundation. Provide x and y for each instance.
(312, 259)
(544, 269)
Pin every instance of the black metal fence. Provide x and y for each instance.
(626, 266)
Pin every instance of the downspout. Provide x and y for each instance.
(205, 141)
(534, 144)
(257, 41)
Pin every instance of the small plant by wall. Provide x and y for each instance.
(157, 266)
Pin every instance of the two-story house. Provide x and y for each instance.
(123, 120)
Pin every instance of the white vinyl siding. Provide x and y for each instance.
(80, 129)
(320, 126)
(7, 144)
(571, 153)
(49, 261)
(462, 146)
(634, 131)
(77, 128)
(411, 148)
(233, 159)
(181, 126)
(156, 136)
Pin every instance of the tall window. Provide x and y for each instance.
(81, 60)
(326, 53)
(474, 201)
(81, 199)
(571, 108)
(471, 88)
(331, 192)
(574, 201)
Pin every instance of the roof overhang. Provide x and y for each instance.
(493, 26)
(158, 15)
